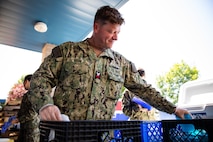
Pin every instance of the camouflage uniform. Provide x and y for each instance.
(87, 86)
(134, 110)
(29, 122)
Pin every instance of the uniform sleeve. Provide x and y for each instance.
(128, 105)
(26, 112)
(44, 79)
(154, 98)
(145, 91)
(21, 112)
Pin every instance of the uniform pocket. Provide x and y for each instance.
(76, 67)
(75, 74)
(115, 73)
(115, 82)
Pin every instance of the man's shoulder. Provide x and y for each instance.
(62, 49)
(70, 45)
(119, 57)
(24, 98)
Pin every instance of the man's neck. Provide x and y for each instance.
(98, 50)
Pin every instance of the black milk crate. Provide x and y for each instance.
(196, 130)
(91, 131)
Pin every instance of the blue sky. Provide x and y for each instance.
(156, 35)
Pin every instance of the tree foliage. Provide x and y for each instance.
(169, 84)
(21, 80)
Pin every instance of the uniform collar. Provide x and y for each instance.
(84, 45)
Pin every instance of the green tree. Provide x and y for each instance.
(21, 80)
(169, 84)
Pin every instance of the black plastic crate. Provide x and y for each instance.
(196, 130)
(91, 131)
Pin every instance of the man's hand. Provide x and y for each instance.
(50, 113)
(181, 112)
(14, 121)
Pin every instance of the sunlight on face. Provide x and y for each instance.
(106, 34)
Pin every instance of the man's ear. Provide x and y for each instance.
(96, 27)
(24, 82)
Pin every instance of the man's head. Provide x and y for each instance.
(106, 27)
(27, 81)
(141, 72)
(107, 14)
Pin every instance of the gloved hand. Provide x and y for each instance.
(128, 105)
(136, 108)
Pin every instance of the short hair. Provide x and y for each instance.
(107, 13)
(28, 77)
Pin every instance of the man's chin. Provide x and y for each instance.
(109, 46)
